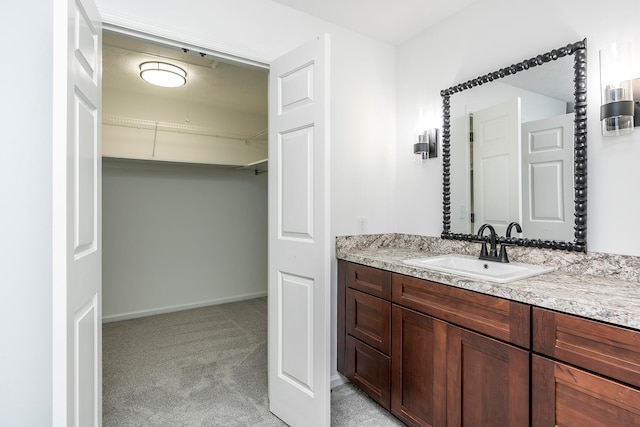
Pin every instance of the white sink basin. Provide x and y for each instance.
(473, 267)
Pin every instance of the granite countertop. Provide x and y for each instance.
(594, 296)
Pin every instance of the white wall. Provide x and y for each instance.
(489, 35)
(180, 236)
(25, 216)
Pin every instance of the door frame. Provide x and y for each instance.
(159, 35)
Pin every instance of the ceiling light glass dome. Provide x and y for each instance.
(163, 74)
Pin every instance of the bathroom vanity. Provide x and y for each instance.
(439, 350)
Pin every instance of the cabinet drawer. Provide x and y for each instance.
(369, 370)
(370, 280)
(608, 350)
(502, 319)
(369, 319)
(566, 396)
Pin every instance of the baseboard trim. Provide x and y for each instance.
(337, 380)
(179, 307)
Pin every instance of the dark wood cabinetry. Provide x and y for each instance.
(435, 372)
(487, 381)
(605, 349)
(563, 395)
(369, 320)
(369, 280)
(496, 317)
(366, 319)
(437, 355)
(442, 374)
(418, 368)
(369, 370)
(564, 392)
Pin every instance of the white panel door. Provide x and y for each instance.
(299, 251)
(496, 165)
(547, 181)
(77, 254)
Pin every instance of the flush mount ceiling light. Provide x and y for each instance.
(163, 74)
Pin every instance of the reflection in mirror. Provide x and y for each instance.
(514, 144)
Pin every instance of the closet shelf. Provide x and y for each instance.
(183, 128)
(259, 167)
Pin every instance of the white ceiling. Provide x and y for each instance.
(393, 21)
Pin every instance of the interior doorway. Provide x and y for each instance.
(184, 182)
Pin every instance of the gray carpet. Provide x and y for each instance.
(204, 367)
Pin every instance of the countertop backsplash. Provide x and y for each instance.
(619, 267)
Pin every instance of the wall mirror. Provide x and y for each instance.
(514, 149)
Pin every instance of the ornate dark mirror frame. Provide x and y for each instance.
(579, 52)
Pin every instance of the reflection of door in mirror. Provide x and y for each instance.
(496, 165)
(547, 158)
(548, 85)
(490, 191)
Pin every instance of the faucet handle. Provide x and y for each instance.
(503, 252)
(483, 249)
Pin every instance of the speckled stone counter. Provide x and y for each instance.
(593, 285)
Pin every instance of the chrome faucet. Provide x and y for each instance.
(492, 255)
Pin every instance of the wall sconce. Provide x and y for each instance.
(427, 145)
(617, 107)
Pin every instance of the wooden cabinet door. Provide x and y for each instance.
(488, 381)
(566, 396)
(418, 368)
(367, 368)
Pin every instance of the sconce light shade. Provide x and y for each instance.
(427, 145)
(617, 107)
(163, 74)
